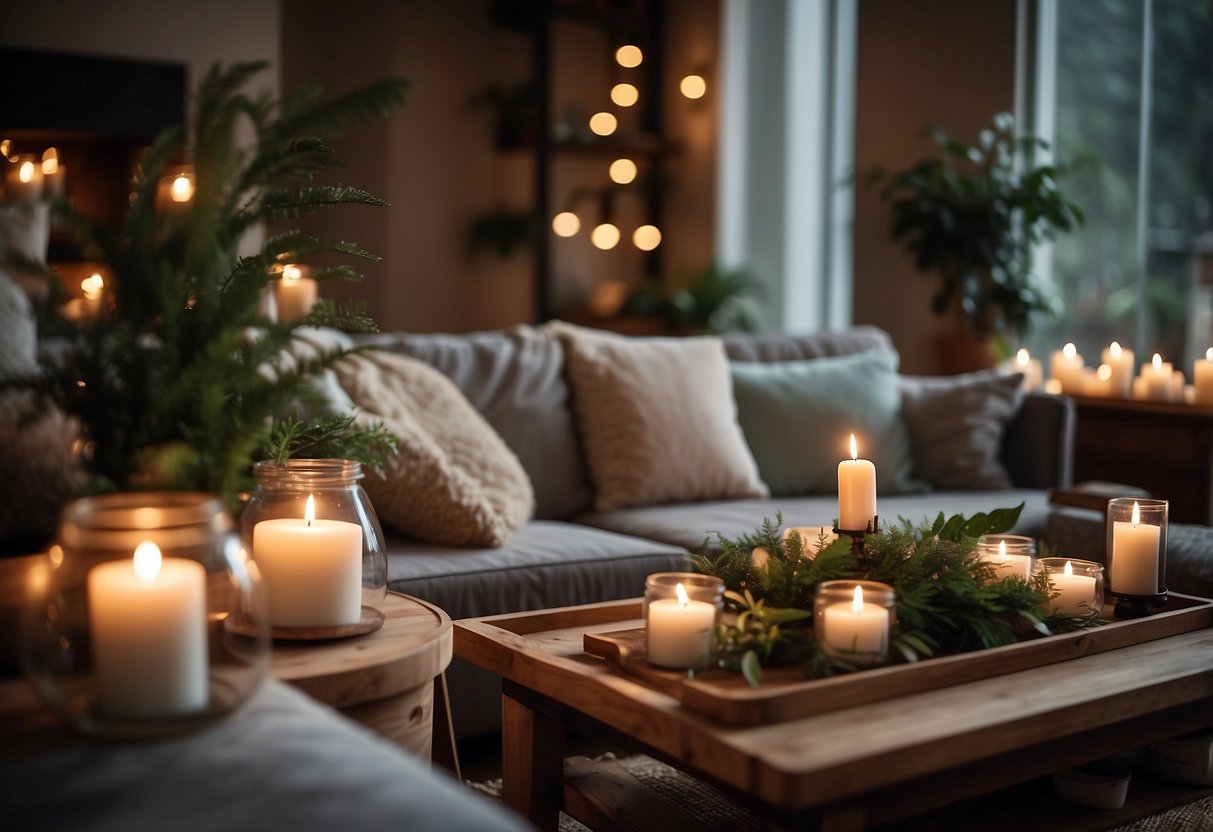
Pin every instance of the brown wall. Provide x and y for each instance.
(946, 61)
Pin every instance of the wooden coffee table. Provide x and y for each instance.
(390, 680)
(844, 769)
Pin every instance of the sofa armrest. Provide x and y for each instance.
(1038, 447)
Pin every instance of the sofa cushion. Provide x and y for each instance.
(777, 346)
(453, 480)
(282, 761)
(797, 417)
(690, 525)
(515, 378)
(657, 419)
(956, 426)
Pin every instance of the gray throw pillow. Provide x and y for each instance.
(957, 424)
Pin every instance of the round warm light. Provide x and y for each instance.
(291, 273)
(605, 236)
(566, 224)
(182, 188)
(25, 171)
(603, 124)
(629, 56)
(622, 171)
(646, 237)
(693, 86)
(625, 95)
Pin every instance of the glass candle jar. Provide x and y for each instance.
(144, 618)
(1012, 555)
(680, 614)
(853, 620)
(310, 528)
(1079, 582)
(1137, 547)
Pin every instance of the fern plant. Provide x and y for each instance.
(178, 378)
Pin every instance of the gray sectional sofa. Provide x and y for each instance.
(570, 554)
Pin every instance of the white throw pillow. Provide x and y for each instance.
(454, 481)
(657, 419)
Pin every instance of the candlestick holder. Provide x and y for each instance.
(122, 625)
(858, 536)
(1137, 555)
(314, 535)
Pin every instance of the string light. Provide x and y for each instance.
(693, 86)
(622, 171)
(629, 56)
(625, 95)
(566, 224)
(646, 237)
(605, 236)
(603, 124)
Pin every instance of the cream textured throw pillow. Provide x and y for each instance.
(657, 419)
(454, 481)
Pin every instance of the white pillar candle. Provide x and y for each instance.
(1077, 592)
(1033, 372)
(23, 180)
(856, 491)
(1009, 566)
(312, 569)
(1202, 379)
(1099, 382)
(1066, 368)
(147, 619)
(1123, 364)
(54, 175)
(679, 631)
(1134, 561)
(295, 294)
(1159, 379)
(855, 627)
(1177, 386)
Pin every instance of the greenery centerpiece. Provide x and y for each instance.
(179, 378)
(971, 214)
(947, 601)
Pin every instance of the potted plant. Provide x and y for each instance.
(971, 214)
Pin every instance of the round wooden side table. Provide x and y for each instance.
(386, 679)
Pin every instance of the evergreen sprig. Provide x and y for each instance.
(177, 379)
(330, 436)
(946, 601)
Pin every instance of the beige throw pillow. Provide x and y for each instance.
(657, 419)
(454, 481)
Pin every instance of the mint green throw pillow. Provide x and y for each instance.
(797, 417)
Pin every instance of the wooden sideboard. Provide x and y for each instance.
(1167, 449)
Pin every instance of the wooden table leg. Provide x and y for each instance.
(443, 749)
(532, 762)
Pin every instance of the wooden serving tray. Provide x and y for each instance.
(788, 693)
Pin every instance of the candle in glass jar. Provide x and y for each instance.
(1077, 592)
(147, 619)
(312, 569)
(856, 491)
(855, 627)
(679, 631)
(1134, 563)
(1009, 565)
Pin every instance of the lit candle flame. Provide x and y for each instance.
(182, 188)
(1136, 518)
(857, 600)
(1069, 568)
(1114, 350)
(50, 162)
(1104, 372)
(92, 286)
(291, 273)
(1209, 354)
(1002, 550)
(1023, 357)
(1069, 350)
(147, 561)
(854, 448)
(1157, 363)
(683, 600)
(309, 511)
(26, 171)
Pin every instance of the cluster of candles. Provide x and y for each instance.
(1117, 376)
(29, 177)
(850, 625)
(148, 614)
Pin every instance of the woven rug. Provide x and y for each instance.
(715, 811)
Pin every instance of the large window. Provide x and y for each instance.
(1132, 81)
